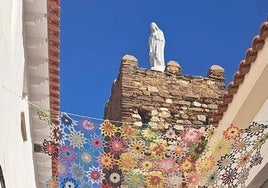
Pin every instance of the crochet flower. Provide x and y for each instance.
(148, 133)
(146, 164)
(55, 135)
(255, 129)
(67, 153)
(106, 160)
(211, 179)
(158, 149)
(229, 176)
(205, 164)
(191, 135)
(221, 147)
(134, 179)
(232, 132)
(210, 132)
(127, 162)
(96, 142)
(95, 175)
(192, 180)
(69, 182)
(260, 141)
(198, 149)
(50, 148)
(87, 126)
(241, 145)
(77, 171)
(187, 165)
(85, 158)
(117, 145)
(243, 176)
(114, 177)
(167, 165)
(66, 120)
(244, 159)
(107, 128)
(52, 183)
(77, 139)
(155, 179)
(174, 179)
(128, 132)
(256, 159)
(170, 134)
(226, 161)
(177, 151)
(137, 147)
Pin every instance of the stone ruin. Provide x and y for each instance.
(139, 95)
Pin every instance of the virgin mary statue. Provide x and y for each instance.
(156, 47)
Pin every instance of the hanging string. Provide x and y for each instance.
(92, 118)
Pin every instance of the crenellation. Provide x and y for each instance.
(169, 96)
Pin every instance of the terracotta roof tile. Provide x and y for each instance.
(53, 22)
(244, 67)
(251, 56)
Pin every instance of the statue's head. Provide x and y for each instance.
(154, 26)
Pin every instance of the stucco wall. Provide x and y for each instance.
(258, 174)
(16, 156)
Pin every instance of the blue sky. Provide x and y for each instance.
(96, 34)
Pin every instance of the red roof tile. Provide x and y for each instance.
(53, 21)
(244, 67)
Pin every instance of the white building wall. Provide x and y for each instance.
(16, 156)
(258, 175)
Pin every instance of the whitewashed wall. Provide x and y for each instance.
(16, 156)
(259, 174)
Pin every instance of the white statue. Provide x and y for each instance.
(156, 46)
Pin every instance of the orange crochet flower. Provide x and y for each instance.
(107, 128)
(232, 132)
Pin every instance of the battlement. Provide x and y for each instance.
(167, 96)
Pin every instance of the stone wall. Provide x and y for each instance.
(167, 96)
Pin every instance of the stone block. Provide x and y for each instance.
(184, 116)
(184, 103)
(173, 67)
(152, 89)
(146, 93)
(136, 116)
(204, 106)
(155, 119)
(158, 99)
(169, 101)
(163, 109)
(196, 104)
(154, 112)
(137, 123)
(164, 114)
(196, 109)
(201, 118)
(213, 106)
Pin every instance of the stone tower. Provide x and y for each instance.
(139, 95)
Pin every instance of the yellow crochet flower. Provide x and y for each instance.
(158, 149)
(127, 162)
(107, 128)
(128, 132)
(186, 166)
(205, 164)
(155, 179)
(221, 147)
